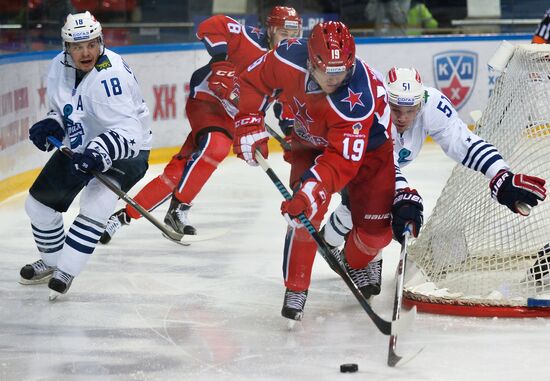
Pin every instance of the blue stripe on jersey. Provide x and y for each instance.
(469, 152)
(117, 141)
(108, 145)
(482, 156)
(489, 151)
(489, 163)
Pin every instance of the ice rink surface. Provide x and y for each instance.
(147, 309)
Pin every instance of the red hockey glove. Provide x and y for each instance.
(222, 79)
(311, 196)
(512, 190)
(407, 209)
(250, 134)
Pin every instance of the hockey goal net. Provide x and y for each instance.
(474, 257)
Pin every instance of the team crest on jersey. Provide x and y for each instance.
(302, 120)
(455, 75)
(353, 99)
(103, 63)
(403, 155)
(74, 130)
(357, 127)
(289, 42)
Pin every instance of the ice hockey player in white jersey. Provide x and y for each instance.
(418, 111)
(98, 111)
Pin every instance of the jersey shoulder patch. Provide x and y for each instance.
(257, 36)
(103, 63)
(354, 101)
(293, 51)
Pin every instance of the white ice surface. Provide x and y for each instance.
(147, 309)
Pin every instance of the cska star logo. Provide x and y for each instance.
(353, 99)
(290, 41)
(455, 75)
(255, 30)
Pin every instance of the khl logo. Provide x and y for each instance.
(455, 75)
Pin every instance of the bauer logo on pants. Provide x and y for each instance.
(455, 74)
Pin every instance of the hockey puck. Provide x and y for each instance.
(349, 368)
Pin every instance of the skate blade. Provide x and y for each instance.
(27, 282)
(53, 295)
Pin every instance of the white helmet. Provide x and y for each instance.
(404, 86)
(81, 27)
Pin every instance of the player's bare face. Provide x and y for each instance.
(85, 54)
(403, 116)
(279, 34)
(329, 83)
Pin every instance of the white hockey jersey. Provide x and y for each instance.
(438, 118)
(106, 106)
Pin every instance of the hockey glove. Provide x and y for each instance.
(92, 159)
(511, 190)
(222, 79)
(250, 134)
(309, 198)
(407, 209)
(40, 131)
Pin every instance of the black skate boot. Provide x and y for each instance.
(367, 279)
(177, 219)
(374, 279)
(116, 221)
(293, 305)
(60, 283)
(35, 273)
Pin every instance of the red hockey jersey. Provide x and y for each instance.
(224, 36)
(347, 123)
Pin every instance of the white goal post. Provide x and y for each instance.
(474, 257)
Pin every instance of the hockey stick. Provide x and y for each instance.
(394, 358)
(278, 137)
(168, 233)
(383, 326)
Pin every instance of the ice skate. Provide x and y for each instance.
(116, 221)
(293, 306)
(177, 218)
(35, 273)
(59, 283)
(367, 279)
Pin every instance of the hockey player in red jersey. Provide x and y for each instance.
(341, 137)
(210, 109)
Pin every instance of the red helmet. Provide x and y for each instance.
(331, 47)
(284, 17)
